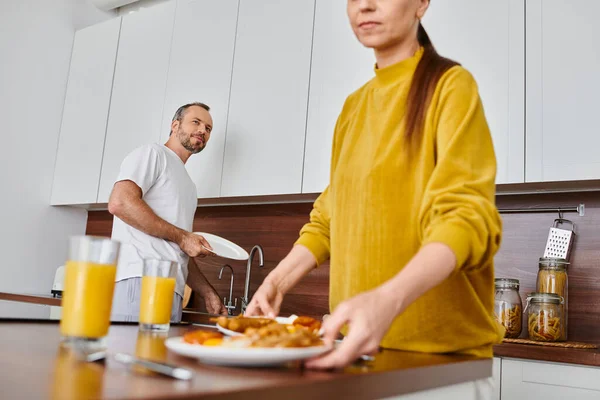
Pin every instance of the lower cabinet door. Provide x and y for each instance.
(523, 380)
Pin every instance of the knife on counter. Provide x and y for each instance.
(161, 368)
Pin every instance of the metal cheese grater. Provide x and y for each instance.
(560, 240)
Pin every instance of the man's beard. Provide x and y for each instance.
(186, 142)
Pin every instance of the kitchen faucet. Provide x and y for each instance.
(230, 308)
(261, 263)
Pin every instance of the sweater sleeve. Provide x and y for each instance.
(315, 235)
(459, 204)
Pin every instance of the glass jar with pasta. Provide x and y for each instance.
(552, 278)
(544, 317)
(508, 306)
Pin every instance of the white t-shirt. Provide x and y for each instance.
(170, 192)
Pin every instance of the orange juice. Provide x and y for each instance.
(87, 299)
(156, 300)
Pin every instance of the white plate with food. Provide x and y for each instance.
(224, 248)
(272, 347)
(243, 356)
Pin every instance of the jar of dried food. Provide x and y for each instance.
(508, 306)
(544, 316)
(552, 278)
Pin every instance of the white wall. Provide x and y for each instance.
(36, 37)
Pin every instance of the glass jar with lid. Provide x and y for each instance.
(508, 307)
(544, 317)
(552, 278)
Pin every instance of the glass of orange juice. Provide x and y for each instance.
(158, 289)
(88, 291)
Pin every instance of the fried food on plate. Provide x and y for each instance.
(260, 332)
(202, 337)
(240, 324)
(311, 324)
(278, 335)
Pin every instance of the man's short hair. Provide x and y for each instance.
(180, 113)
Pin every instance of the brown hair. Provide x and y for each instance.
(180, 113)
(430, 69)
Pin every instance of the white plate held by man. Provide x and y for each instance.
(223, 247)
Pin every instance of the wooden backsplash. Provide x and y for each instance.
(276, 227)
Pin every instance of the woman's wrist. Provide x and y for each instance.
(393, 296)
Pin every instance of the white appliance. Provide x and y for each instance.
(59, 279)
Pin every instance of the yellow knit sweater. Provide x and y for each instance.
(380, 208)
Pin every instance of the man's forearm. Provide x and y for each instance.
(136, 213)
(196, 279)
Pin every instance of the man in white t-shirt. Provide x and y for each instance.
(153, 202)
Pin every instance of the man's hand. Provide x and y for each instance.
(202, 287)
(194, 245)
(213, 303)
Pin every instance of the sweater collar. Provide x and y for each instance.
(397, 72)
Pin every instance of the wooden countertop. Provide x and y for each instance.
(34, 365)
(41, 299)
(530, 352)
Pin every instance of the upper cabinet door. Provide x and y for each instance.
(269, 93)
(340, 65)
(488, 38)
(200, 70)
(136, 108)
(563, 60)
(83, 129)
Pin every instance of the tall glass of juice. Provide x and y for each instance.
(158, 289)
(88, 291)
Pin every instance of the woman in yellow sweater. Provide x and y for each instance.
(408, 220)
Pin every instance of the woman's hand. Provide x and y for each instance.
(369, 316)
(266, 301)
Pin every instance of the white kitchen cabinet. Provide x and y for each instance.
(200, 70)
(83, 128)
(488, 39)
(264, 148)
(523, 380)
(138, 94)
(562, 90)
(340, 65)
